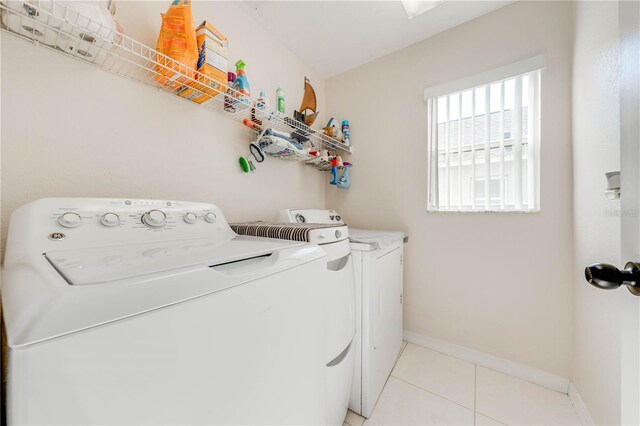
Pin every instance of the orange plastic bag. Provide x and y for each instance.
(177, 40)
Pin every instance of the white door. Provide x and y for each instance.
(629, 77)
(608, 276)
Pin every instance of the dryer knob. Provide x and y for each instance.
(300, 218)
(210, 217)
(70, 220)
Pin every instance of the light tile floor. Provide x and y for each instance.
(430, 388)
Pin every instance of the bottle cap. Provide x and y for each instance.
(262, 95)
(345, 122)
(240, 65)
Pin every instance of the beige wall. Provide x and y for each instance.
(498, 283)
(69, 129)
(596, 150)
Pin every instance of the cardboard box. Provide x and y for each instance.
(196, 92)
(213, 52)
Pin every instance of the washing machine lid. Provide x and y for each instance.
(40, 304)
(105, 265)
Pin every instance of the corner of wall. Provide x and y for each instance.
(580, 406)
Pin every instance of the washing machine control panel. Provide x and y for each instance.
(86, 222)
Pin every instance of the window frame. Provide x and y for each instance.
(531, 67)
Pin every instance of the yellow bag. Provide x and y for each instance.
(177, 40)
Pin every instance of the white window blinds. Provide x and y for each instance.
(483, 141)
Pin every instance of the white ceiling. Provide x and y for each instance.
(335, 36)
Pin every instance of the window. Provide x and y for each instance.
(483, 138)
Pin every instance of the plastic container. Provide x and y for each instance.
(280, 99)
(262, 102)
(228, 98)
(346, 133)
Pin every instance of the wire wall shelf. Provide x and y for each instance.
(55, 26)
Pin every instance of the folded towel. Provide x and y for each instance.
(379, 239)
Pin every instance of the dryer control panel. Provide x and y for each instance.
(310, 216)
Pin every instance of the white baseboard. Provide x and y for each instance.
(521, 371)
(579, 405)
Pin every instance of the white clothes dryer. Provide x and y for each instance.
(378, 265)
(339, 312)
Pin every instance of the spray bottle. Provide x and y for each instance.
(242, 84)
(345, 180)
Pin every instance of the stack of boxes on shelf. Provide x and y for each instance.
(213, 52)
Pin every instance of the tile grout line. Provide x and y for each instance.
(432, 393)
(475, 400)
(426, 390)
(476, 413)
(493, 368)
(492, 418)
(404, 347)
(387, 380)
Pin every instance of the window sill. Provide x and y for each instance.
(440, 211)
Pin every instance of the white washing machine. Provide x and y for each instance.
(340, 301)
(377, 259)
(156, 312)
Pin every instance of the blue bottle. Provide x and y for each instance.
(334, 170)
(345, 180)
(346, 133)
(334, 175)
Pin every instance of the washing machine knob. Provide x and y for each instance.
(210, 217)
(154, 218)
(300, 218)
(70, 220)
(110, 219)
(338, 218)
(190, 217)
